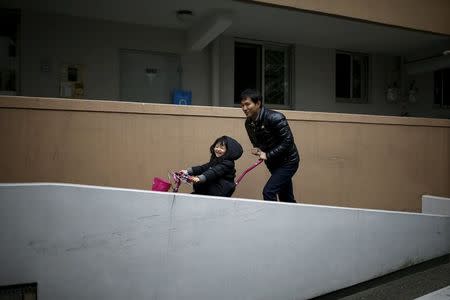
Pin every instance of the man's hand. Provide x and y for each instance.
(256, 151)
(262, 155)
(194, 179)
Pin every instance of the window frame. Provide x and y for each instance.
(289, 57)
(441, 105)
(364, 99)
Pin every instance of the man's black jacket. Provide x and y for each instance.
(271, 133)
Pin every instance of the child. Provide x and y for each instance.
(216, 178)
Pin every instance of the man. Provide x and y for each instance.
(270, 134)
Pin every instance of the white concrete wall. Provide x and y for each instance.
(442, 294)
(435, 205)
(80, 242)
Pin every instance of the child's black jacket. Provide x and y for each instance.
(217, 176)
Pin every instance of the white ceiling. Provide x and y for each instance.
(253, 21)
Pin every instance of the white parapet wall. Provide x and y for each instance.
(84, 242)
(442, 294)
(435, 205)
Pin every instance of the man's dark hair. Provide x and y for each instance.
(254, 95)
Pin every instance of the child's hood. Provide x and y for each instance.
(234, 149)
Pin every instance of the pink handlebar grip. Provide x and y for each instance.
(248, 170)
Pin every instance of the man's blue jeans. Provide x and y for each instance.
(280, 183)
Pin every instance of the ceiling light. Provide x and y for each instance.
(185, 15)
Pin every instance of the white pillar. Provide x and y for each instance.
(215, 72)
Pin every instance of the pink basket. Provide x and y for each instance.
(160, 185)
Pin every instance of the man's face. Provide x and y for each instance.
(250, 108)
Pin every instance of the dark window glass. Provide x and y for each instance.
(264, 67)
(357, 78)
(275, 76)
(446, 87)
(247, 68)
(438, 87)
(343, 75)
(351, 77)
(442, 88)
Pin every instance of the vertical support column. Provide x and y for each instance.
(215, 72)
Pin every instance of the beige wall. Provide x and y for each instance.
(424, 15)
(347, 160)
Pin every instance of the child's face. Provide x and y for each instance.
(219, 150)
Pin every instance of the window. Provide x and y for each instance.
(27, 291)
(9, 60)
(442, 88)
(351, 77)
(265, 67)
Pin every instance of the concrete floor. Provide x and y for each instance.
(409, 283)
